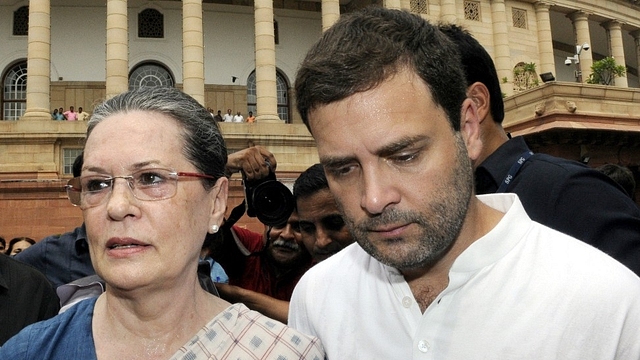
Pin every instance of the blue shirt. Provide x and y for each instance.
(65, 336)
(61, 258)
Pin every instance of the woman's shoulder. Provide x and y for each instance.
(64, 336)
(238, 331)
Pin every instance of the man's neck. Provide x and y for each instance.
(428, 282)
(493, 136)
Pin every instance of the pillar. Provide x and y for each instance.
(392, 4)
(580, 21)
(545, 41)
(193, 50)
(39, 61)
(267, 96)
(616, 48)
(448, 11)
(117, 62)
(330, 13)
(502, 55)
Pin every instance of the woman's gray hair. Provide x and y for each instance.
(204, 146)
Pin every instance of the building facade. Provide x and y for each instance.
(243, 55)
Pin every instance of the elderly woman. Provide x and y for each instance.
(152, 186)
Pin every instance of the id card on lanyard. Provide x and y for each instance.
(513, 171)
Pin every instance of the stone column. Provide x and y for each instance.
(266, 91)
(616, 48)
(448, 11)
(392, 4)
(502, 55)
(117, 72)
(330, 13)
(193, 50)
(636, 40)
(545, 41)
(581, 25)
(39, 61)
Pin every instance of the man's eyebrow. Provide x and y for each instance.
(399, 145)
(336, 162)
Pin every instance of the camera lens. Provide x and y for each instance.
(273, 203)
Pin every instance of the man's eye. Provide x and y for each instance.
(93, 185)
(333, 223)
(307, 228)
(405, 157)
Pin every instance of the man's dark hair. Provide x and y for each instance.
(478, 66)
(621, 175)
(310, 182)
(76, 168)
(367, 47)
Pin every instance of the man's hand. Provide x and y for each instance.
(253, 161)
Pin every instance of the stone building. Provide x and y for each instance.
(243, 55)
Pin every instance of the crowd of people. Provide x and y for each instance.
(430, 233)
(70, 115)
(229, 117)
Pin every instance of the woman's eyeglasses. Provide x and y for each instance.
(145, 184)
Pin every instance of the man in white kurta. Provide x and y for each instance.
(523, 291)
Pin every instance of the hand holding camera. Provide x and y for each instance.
(266, 198)
(254, 162)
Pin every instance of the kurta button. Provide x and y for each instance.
(423, 346)
(406, 301)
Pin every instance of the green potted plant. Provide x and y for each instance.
(605, 71)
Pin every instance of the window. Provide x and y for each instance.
(419, 6)
(519, 18)
(276, 32)
(68, 157)
(150, 24)
(282, 88)
(21, 21)
(472, 10)
(525, 77)
(14, 93)
(151, 75)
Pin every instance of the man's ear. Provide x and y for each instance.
(470, 128)
(218, 196)
(479, 93)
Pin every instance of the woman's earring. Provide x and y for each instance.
(214, 229)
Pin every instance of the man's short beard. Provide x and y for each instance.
(438, 230)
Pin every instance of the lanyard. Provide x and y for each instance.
(514, 170)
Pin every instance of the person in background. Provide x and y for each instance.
(71, 115)
(228, 117)
(163, 184)
(238, 118)
(62, 258)
(82, 115)
(578, 200)
(58, 114)
(218, 117)
(251, 119)
(622, 175)
(438, 272)
(19, 244)
(322, 227)
(26, 297)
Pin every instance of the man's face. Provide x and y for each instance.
(229, 111)
(401, 175)
(285, 245)
(322, 227)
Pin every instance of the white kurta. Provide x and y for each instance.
(523, 291)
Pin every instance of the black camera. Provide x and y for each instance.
(268, 199)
